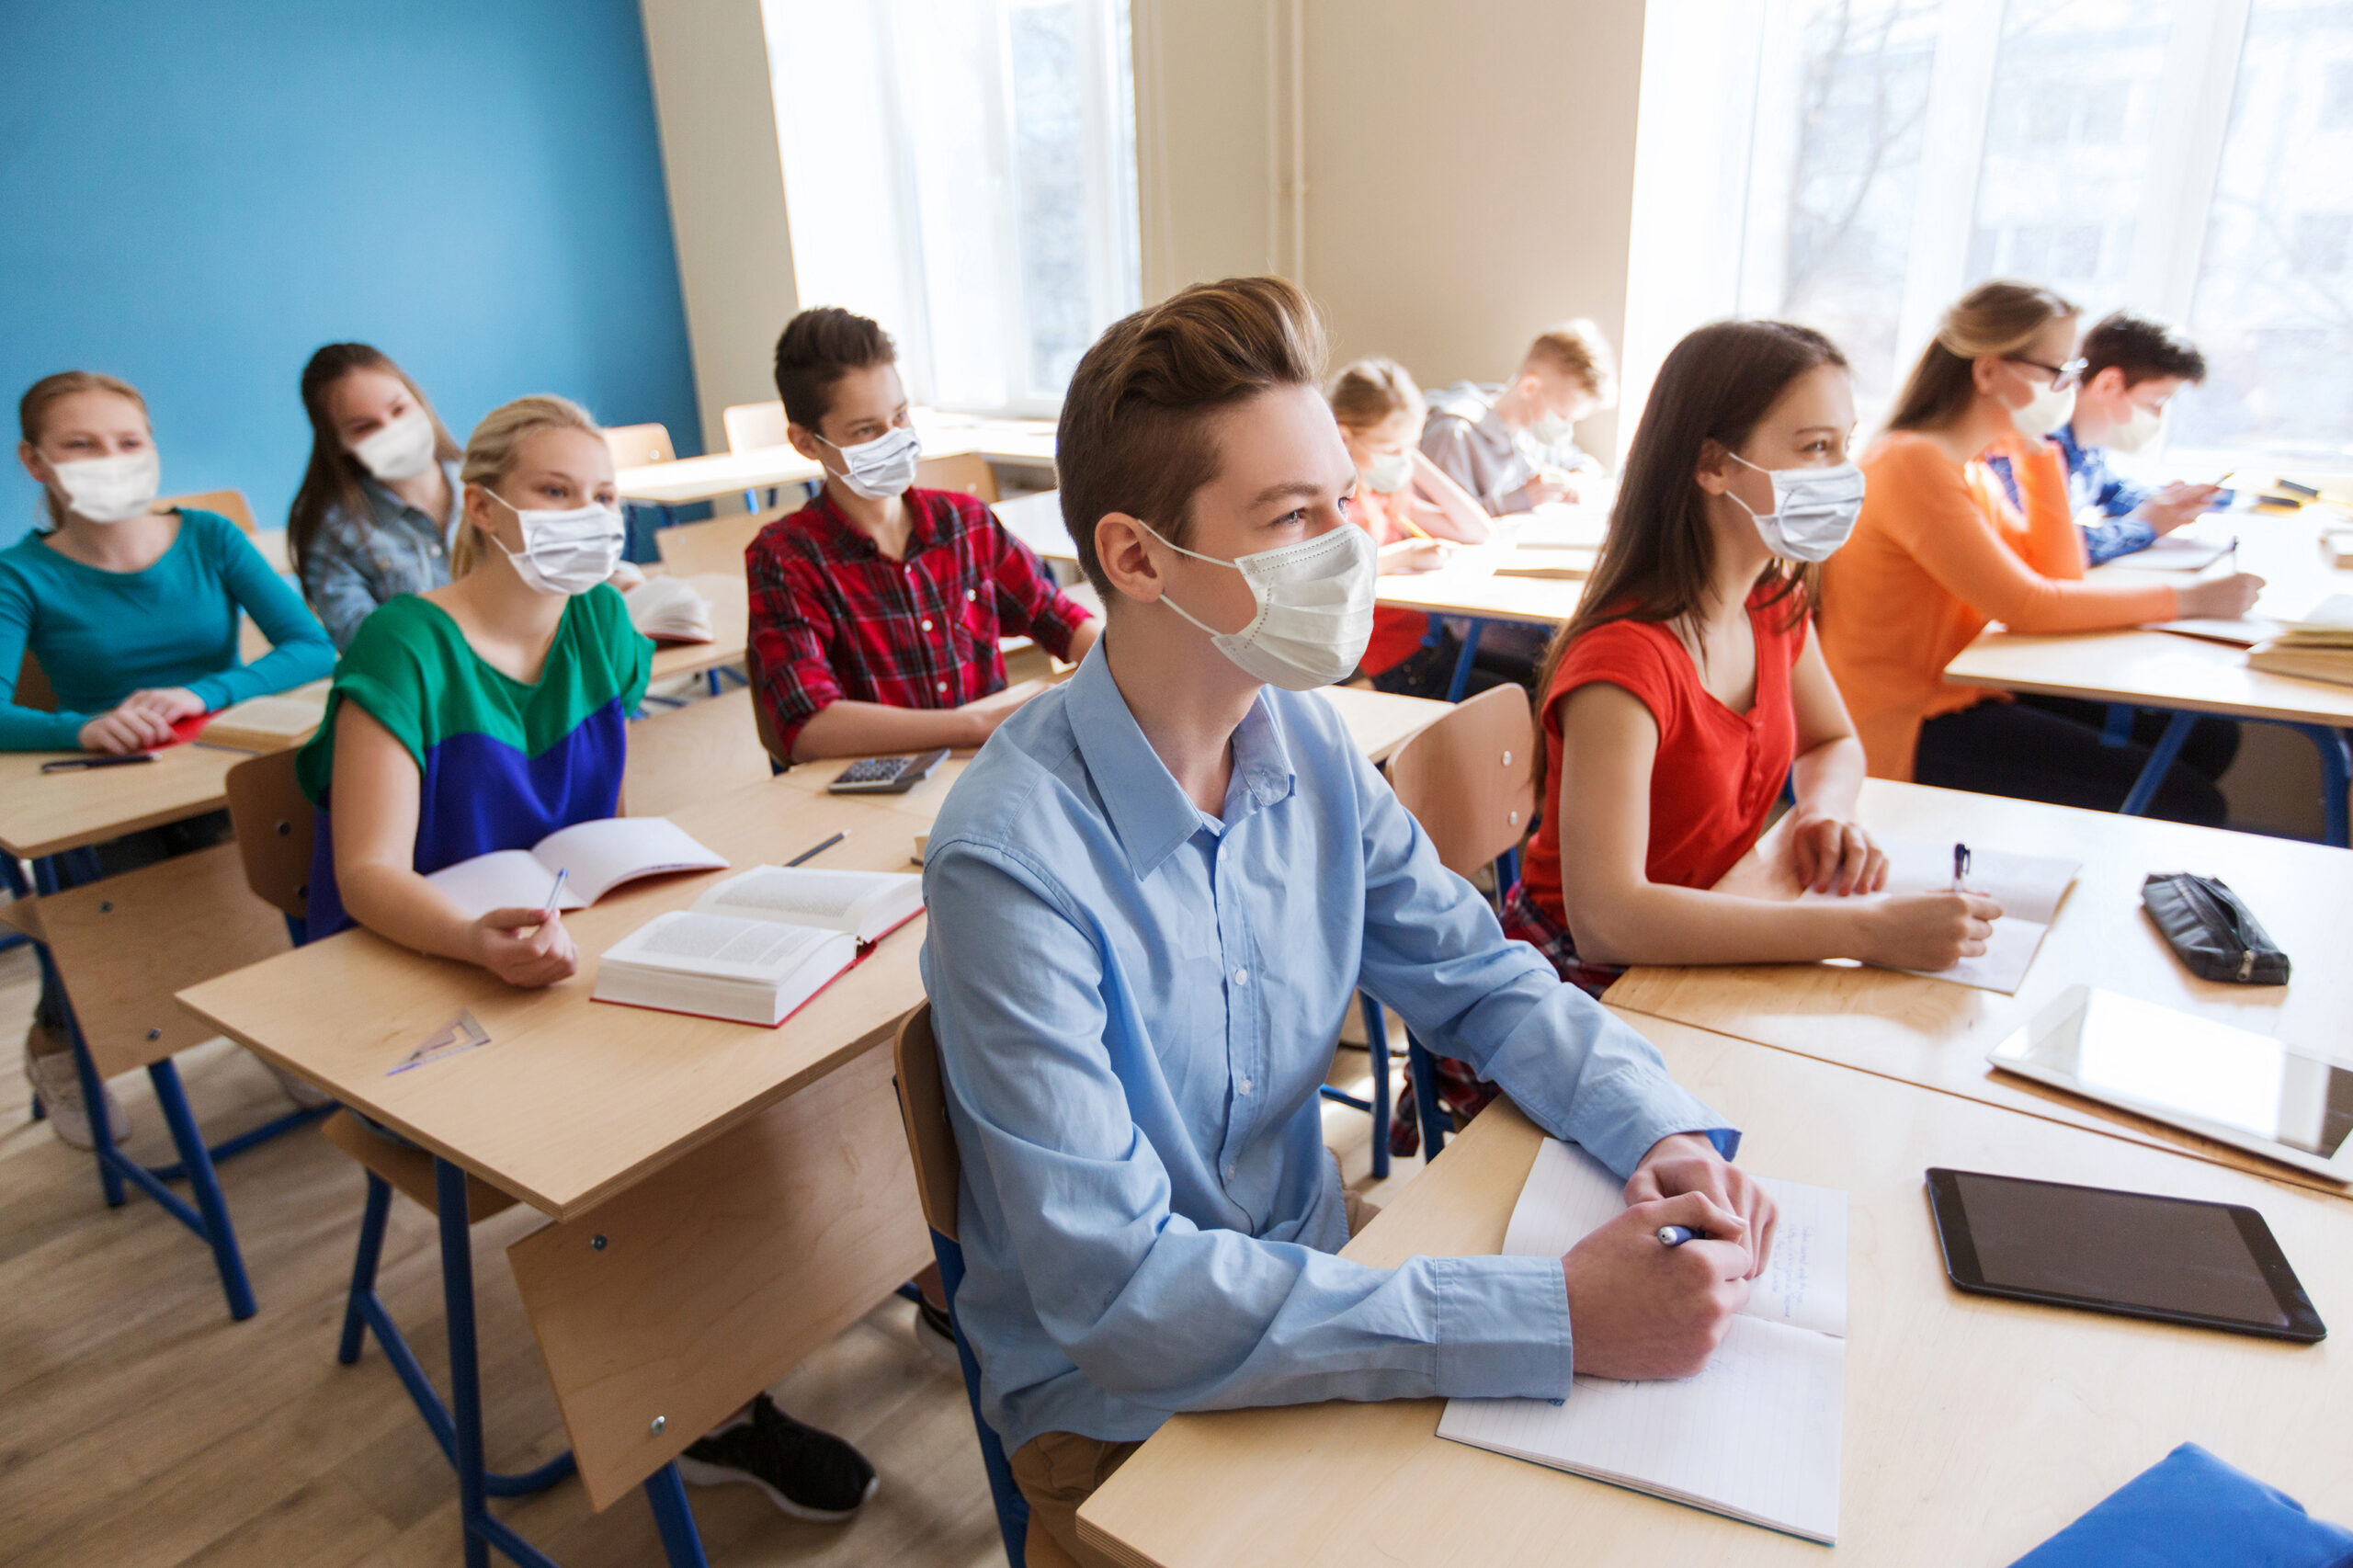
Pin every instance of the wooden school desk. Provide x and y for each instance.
(2187, 677)
(118, 946)
(1975, 1428)
(730, 628)
(1024, 442)
(1532, 573)
(1935, 1033)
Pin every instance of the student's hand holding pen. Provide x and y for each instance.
(529, 947)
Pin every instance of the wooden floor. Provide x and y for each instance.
(140, 1428)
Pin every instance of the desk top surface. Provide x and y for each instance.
(1975, 1427)
(689, 479)
(1936, 1033)
(2168, 670)
(43, 814)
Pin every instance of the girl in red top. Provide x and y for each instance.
(1408, 504)
(1690, 689)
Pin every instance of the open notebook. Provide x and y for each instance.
(756, 947)
(2027, 887)
(601, 856)
(670, 609)
(1757, 1435)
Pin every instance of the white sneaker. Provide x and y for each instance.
(306, 1095)
(59, 1087)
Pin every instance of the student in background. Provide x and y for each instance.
(484, 715)
(877, 607)
(1152, 894)
(1513, 446)
(1411, 508)
(1941, 550)
(131, 614)
(377, 512)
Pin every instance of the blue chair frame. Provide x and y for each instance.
(2336, 764)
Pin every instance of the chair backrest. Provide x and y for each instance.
(692, 548)
(1469, 778)
(33, 689)
(276, 829)
(634, 445)
(966, 471)
(923, 1106)
(754, 426)
(230, 504)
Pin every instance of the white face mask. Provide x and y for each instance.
(1315, 604)
(881, 467)
(1390, 472)
(1814, 510)
(564, 552)
(2045, 411)
(110, 489)
(1550, 430)
(2140, 428)
(402, 450)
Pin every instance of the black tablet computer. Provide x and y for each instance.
(2133, 1254)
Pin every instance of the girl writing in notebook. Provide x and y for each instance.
(1944, 546)
(1689, 688)
(485, 715)
(130, 611)
(1411, 508)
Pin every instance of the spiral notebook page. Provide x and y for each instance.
(1757, 1435)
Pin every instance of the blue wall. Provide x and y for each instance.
(195, 196)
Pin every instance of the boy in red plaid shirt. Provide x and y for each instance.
(877, 607)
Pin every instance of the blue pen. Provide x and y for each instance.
(1676, 1235)
(556, 891)
(1959, 865)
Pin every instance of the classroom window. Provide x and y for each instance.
(964, 172)
(2187, 158)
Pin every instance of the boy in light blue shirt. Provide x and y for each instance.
(1149, 900)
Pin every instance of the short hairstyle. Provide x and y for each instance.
(1369, 391)
(32, 412)
(1993, 320)
(1134, 434)
(817, 349)
(498, 441)
(2144, 350)
(1578, 348)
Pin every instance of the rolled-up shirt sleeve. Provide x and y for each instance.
(1153, 1308)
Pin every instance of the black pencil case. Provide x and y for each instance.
(2214, 933)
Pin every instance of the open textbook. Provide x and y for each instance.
(670, 609)
(1757, 1435)
(601, 856)
(756, 947)
(2027, 887)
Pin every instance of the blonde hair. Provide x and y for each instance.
(1578, 348)
(1370, 390)
(492, 448)
(1993, 320)
(32, 411)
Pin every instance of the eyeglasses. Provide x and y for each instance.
(2061, 375)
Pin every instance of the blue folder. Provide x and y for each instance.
(2190, 1510)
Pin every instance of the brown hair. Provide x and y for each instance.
(1994, 319)
(491, 450)
(1134, 431)
(1658, 559)
(1578, 348)
(332, 479)
(2144, 350)
(32, 411)
(1369, 391)
(817, 349)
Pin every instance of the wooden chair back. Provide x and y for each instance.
(276, 827)
(33, 689)
(923, 1107)
(779, 757)
(1469, 778)
(230, 504)
(754, 426)
(692, 550)
(633, 446)
(966, 471)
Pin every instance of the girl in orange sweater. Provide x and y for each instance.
(1941, 550)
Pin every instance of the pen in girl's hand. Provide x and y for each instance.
(1959, 865)
(548, 906)
(1676, 1235)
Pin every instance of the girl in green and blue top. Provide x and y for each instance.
(483, 716)
(131, 614)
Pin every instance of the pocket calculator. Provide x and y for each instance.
(885, 775)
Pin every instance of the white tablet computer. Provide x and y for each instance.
(2231, 1085)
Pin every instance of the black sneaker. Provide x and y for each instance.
(807, 1474)
(936, 1332)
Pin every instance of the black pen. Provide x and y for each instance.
(68, 764)
(819, 850)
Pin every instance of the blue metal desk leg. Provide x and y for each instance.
(203, 1184)
(1376, 1036)
(681, 1542)
(2152, 772)
(2336, 779)
(1463, 661)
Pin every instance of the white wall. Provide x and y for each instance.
(712, 97)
